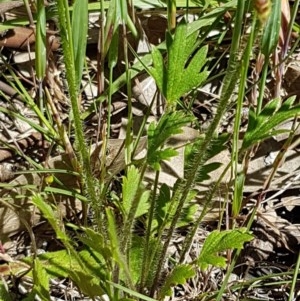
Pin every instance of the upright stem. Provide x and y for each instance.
(171, 15)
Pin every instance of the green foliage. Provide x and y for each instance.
(179, 275)
(87, 283)
(80, 21)
(181, 73)
(57, 264)
(62, 264)
(133, 235)
(271, 29)
(40, 41)
(133, 189)
(163, 200)
(264, 124)
(71, 63)
(165, 209)
(218, 145)
(158, 134)
(4, 294)
(218, 242)
(50, 215)
(41, 280)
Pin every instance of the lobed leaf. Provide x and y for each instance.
(182, 72)
(179, 275)
(158, 134)
(264, 125)
(218, 242)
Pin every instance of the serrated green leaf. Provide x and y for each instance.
(190, 43)
(182, 72)
(204, 172)
(166, 210)
(41, 280)
(58, 263)
(176, 63)
(179, 275)
(136, 257)
(160, 155)
(132, 189)
(143, 204)
(62, 264)
(168, 125)
(218, 242)
(264, 125)
(130, 186)
(158, 71)
(270, 109)
(158, 134)
(192, 77)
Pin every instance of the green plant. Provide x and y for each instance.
(123, 252)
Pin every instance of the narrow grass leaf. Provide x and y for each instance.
(272, 28)
(113, 50)
(131, 292)
(40, 49)
(79, 30)
(238, 196)
(49, 214)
